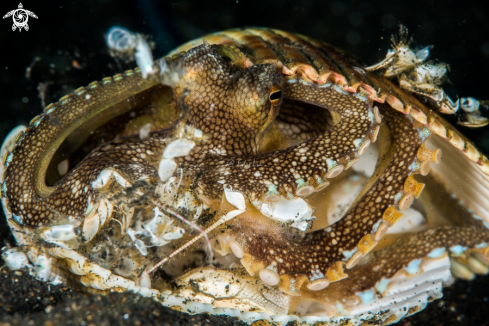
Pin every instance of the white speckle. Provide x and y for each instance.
(217, 151)
(90, 226)
(121, 180)
(457, 250)
(349, 254)
(198, 133)
(141, 247)
(177, 148)
(144, 131)
(144, 58)
(381, 286)
(231, 214)
(15, 259)
(413, 266)
(235, 198)
(481, 245)
(102, 178)
(296, 211)
(59, 233)
(145, 282)
(42, 268)
(198, 212)
(104, 210)
(166, 169)
(160, 229)
(122, 40)
(366, 296)
(436, 253)
(63, 167)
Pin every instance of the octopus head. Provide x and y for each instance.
(257, 95)
(225, 99)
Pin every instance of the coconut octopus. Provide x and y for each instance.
(282, 169)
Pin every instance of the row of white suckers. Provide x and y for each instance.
(408, 291)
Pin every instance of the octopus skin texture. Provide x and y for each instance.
(329, 191)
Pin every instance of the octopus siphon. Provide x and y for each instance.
(259, 174)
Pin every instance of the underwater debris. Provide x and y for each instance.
(122, 40)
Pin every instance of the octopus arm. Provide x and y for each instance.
(28, 196)
(325, 253)
(302, 168)
(300, 121)
(398, 280)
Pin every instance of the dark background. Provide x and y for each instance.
(65, 49)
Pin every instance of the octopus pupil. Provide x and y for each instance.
(276, 96)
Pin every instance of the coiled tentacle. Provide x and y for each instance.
(24, 186)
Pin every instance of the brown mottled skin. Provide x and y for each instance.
(328, 114)
(307, 161)
(230, 105)
(317, 251)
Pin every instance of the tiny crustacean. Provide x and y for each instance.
(298, 165)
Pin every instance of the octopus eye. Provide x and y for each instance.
(275, 96)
